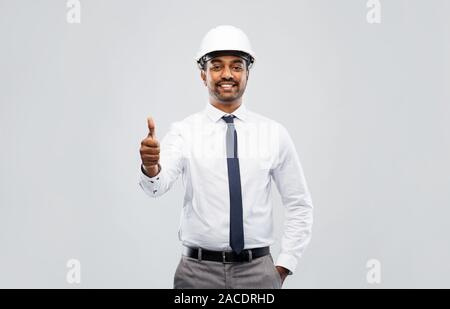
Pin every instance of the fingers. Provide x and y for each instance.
(151, 127)
(149, 163)
(149, 155)
(150, 142)
(150, 160)
(150, 147)
(149, 150)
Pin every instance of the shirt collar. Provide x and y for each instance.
(216, 114)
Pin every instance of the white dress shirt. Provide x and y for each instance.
(195, 148)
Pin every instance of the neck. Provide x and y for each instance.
(228, 107)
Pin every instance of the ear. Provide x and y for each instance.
(203, 76)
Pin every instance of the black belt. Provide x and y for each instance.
(226, 256)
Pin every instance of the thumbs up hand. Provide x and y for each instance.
(150, 150)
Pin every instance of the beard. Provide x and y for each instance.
(226, 97)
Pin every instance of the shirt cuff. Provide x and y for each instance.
(150, 184)
(287, 261)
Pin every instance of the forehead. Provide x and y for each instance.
(227, 59)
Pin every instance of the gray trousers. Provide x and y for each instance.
(260, 273)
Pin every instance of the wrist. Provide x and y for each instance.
(151, 171)
(283, 270)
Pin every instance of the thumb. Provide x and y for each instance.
(151, 127)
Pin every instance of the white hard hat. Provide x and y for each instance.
(225, 38)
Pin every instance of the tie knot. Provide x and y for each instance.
(229, 118)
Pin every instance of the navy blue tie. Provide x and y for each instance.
(234, 183)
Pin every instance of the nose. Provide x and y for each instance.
(226, 73)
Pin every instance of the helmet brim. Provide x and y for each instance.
(218, 53)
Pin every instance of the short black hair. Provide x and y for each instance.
(247, 58)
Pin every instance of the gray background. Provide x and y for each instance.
(366, 104)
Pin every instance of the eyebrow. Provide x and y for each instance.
(234, 61)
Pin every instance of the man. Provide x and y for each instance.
(228, 157)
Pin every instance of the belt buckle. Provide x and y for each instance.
(224, 258)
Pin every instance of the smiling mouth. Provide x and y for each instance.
(226, 86)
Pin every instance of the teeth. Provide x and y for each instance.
(226, 86)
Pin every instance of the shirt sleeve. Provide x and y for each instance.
(171, 164)
(291, 184)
